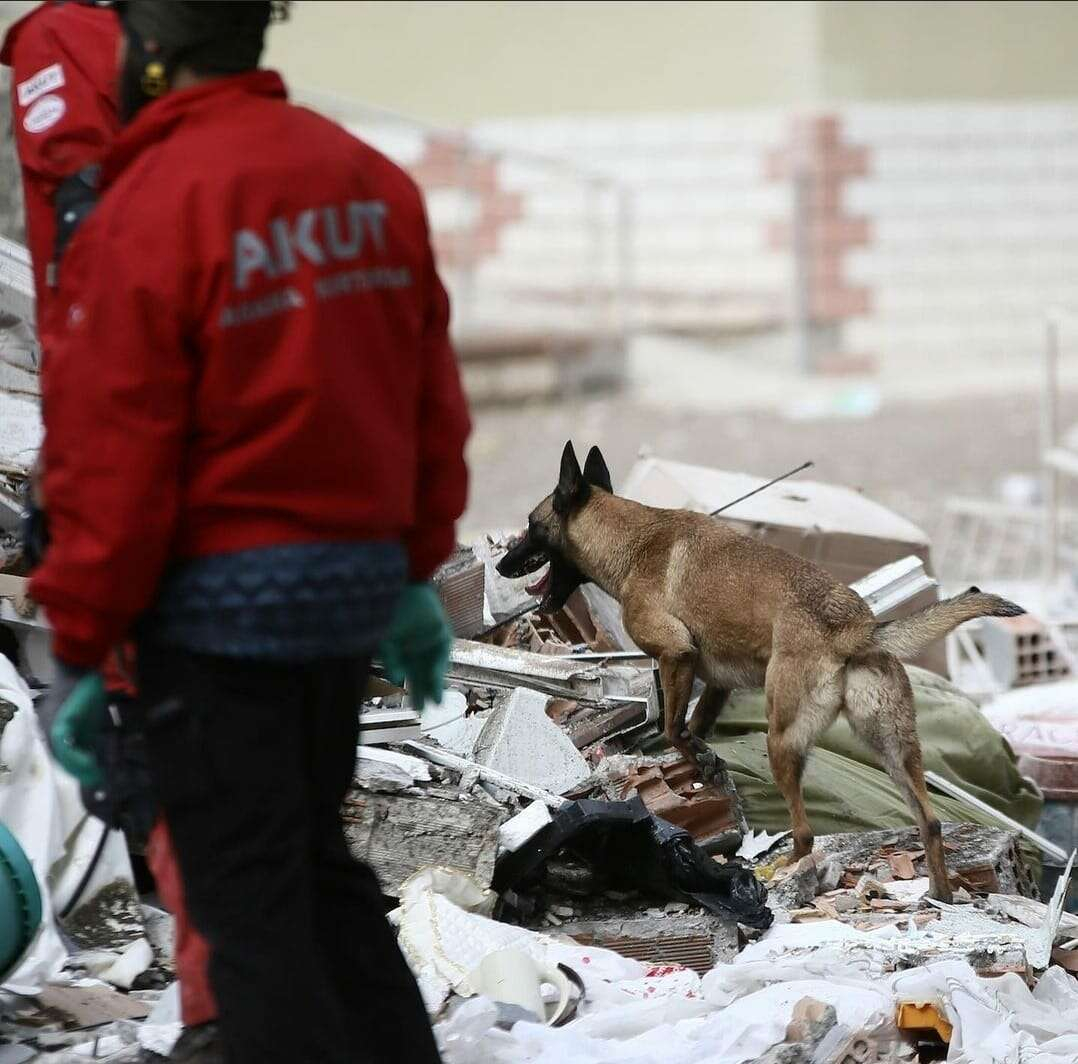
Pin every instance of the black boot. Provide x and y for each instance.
(197, 1045)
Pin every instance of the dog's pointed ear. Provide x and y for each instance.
(571, 483)
(595, 471)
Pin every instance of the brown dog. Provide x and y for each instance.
(705, 600)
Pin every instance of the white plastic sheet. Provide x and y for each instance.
(40, 805)
(444, 932)
(740, 1010)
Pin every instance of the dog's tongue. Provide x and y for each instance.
(539, 586)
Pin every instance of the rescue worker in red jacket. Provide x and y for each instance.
(62, 58)
(254, 460)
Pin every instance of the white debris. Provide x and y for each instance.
(757, 843)
(908, 889)
(386, 770)
(450, 723)
(516, 831)
(520, 740)
(41, 806)
(129, 965)
(164, 1025)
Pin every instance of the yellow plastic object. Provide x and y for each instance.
(923, 1016)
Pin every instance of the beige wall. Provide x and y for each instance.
(457, 61)
(947, 50)
(453, 61)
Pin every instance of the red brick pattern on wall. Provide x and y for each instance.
(453, 163)
(816, 153)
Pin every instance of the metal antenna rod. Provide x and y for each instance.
(748, 495)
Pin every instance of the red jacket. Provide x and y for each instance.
(63, 70)
(255, 352)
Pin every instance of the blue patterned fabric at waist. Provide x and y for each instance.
(296, 602)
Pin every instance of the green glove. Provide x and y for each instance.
(416, 647)
(76, 727)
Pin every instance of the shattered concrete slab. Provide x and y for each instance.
(520, 740)
(399, 834)
(981, 859)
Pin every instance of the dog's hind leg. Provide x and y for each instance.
(879, 704)
(802, 702)
(707, 711)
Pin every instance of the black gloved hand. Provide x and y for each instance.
(125, 801)
(33, 529)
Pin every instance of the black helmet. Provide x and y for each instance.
(213, 37)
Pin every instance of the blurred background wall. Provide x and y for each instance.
(737, 232)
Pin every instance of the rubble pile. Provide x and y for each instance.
(568, 891)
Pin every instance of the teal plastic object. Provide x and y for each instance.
(76, 727)
(20, 901)
(416, 647)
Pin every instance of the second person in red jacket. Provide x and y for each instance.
(254, 460)
(62, 58)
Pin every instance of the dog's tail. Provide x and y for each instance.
(910, 635)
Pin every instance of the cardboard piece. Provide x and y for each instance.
(91, 1006)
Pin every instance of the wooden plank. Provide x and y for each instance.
(92, 1006)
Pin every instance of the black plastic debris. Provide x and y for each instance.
(622, 846)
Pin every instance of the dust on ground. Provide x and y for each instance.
(908, 456)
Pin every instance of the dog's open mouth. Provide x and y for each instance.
(539, 588)
(557, 578)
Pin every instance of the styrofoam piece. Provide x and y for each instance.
(167, 1008)
(520, 740)
(164, 1025)
(756, 843)
(1053, 918)
(516, 831)
(908, 889)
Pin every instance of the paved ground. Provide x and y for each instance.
(908, 455)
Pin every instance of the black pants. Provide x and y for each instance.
(251, 762)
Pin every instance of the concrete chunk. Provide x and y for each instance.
(520, 740)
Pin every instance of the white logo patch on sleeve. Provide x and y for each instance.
(44, 114)
(51, 77)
